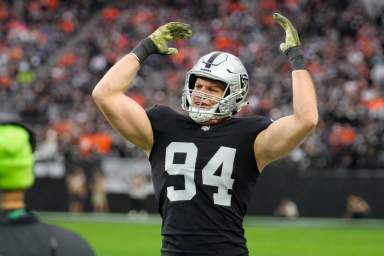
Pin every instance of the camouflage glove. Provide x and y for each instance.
(291, 46)
(157, 41)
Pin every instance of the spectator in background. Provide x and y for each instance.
(99, 197)
(140, 187)
(357, 207)
(287, 209)
(345, 57)
(77, 189)
(48, 149)
(21, 232)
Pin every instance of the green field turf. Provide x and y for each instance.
(116, 235)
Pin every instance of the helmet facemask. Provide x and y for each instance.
(198, 111)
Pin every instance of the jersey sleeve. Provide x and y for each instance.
(263, 122)
(257, 124)
(162, 120)
(159, 116)
(250, 130)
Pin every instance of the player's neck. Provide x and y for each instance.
(12, 200)
(213, 122)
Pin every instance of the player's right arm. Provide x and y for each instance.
(123, 113)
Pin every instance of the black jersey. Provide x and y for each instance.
(27, 236)
(203, 179)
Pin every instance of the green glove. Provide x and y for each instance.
(168, 32)
(291, 37)
(157, 42)
(291, 46)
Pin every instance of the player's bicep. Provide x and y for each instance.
(129, 119)
(279, 139)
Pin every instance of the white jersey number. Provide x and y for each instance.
(224, 157)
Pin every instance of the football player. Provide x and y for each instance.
(205, 164)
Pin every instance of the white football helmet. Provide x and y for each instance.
(223, 67)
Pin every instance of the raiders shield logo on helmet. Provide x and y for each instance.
(244, 83)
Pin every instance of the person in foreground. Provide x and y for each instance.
(21, 233)
(205, 164)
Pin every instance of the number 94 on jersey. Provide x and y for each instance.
(224, 156)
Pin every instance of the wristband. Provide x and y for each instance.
(145, 48)
(296, 58)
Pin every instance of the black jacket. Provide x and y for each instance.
(27, 236)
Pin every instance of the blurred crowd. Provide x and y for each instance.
(342, 41)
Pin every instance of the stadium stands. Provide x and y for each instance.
(343, 45)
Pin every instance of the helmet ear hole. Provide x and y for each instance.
(192, 81)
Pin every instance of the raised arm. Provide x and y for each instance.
(284, 134)
(123, 113)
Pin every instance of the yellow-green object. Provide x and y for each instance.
(25, 77)
(168, 32)
(291, 37)
(16, 159)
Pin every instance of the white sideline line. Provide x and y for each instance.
(249, 220)
(100, 217)
(315, 222)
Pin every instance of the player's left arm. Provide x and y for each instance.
(284, 134)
